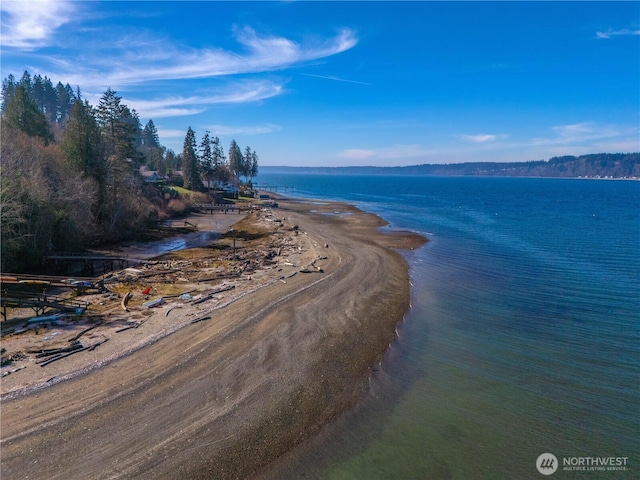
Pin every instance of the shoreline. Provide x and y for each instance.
(259, 378)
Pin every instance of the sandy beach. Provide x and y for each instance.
(283, 342)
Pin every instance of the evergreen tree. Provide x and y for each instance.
(206, 159)
(220, 167)
(246, 162)
(9, 86)
(118, 125)
(151, 148)
(150, 137)
(49, 100)
(23, 114)
(82, 142)
(190, 172)
(118, 130)
(253, 169)
(37, 92)
(26, 81)
(66, 99)
(235, 159)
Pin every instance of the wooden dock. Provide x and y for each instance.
(39, 303)
(90, 264)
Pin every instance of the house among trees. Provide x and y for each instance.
(150, 176)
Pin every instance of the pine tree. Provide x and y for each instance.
(118, 126)
(246, 162)
(150, 137)
(9, 86)
(66, 99)
(151, 148)
(253, 170)
(82, 142)
(235, 159)
(23, 114)
(206, 158)
(190, 172)
(220, 167)
(49, 100)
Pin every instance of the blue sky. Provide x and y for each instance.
(351, 83)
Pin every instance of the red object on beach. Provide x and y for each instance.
(146, 291)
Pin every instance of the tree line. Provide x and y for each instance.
(70, 172)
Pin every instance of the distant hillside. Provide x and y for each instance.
(598, 165)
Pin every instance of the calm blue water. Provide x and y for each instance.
(523, 336)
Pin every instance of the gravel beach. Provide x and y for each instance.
(284, 339)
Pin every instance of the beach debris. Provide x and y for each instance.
(46, 318)
(46, 352)
(210, 295)
(200, 319)
(125, 301)
(9, 372)
(78, 347)
(76, 337)
(146, 291)
(156, 302)
(172, 308)
(185, 296)
(133, 325)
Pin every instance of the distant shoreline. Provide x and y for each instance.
(605, 166)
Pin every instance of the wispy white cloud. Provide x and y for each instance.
(171, 134)
(483, 138)
(226, 130)
(356, 154)
(582, 138)
(158, 59)
(175, 106)
(390, 153)
(617, 33)
(28, 24)
(578, 133)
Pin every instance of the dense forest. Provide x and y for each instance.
(598, 165)
(71, 173)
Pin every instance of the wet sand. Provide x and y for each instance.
(224, 397)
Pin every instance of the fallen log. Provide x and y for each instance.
(200, 319)
(85, 331)
(129, 327)
(125, 301)
(60, 356)
(172, 308)
(214, 292)
(46, 352)
(95, 345)
(65, 355)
